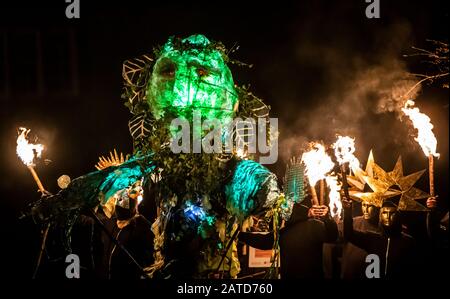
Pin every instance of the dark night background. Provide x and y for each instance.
(322, 66)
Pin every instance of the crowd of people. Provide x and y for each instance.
(314, 245)
(117, 242)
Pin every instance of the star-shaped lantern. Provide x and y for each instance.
(385, 185)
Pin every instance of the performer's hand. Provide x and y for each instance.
(432, 202)
(324, 210)
(346, 202)
(317, 211)
(312, 212)
(45, 193)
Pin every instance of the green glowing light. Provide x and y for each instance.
(190, 75)
(249, 189)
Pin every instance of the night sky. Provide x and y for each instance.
(322, 66)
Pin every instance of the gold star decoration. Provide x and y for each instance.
(410, 194)
(385, 185)
(378, 181)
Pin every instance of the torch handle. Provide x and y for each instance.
(431, 173)
(431, 178)
(322, 191)
(36, 178)
(315, 201)
(344, 181)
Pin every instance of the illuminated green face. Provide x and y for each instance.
(190, 76)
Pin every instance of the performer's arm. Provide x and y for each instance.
(259, 241)
(359, 239)
(331, 230)
(348, 220)
(432, 218)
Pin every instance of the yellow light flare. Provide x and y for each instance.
(26, 151)
(422, 123)
(344, 149)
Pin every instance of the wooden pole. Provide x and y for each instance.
(431, 174)
(322, 191)
(47, 227)
(36, 178)
(344, 181)
(315, 201)
(432, 193)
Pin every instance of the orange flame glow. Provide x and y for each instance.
(421, 122)
(317, 163)
(25, 150)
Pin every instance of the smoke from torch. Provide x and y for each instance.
(425, 136)
(317, 165)
(27, 152)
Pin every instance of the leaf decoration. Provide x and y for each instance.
(140, 126)
(136, 74)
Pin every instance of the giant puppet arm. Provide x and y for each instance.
(90, 190)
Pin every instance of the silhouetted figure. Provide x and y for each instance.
(353, 265)
(397, 251)
(131, 230)
(301, 241)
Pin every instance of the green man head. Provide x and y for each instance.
(191, 75)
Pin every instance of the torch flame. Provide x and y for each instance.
(335, 204)
(421, 122)
(317, 163)
(344, 147)
(25, 150)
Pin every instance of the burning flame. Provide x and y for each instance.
(317, 163)
(344, 147)
(421, 122)
(25, 150)
(335, 204)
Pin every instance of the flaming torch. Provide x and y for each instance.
(344, 148)
(317, 165)
(27, 153)
(425, 136)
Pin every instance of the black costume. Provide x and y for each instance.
(137, 238)
(353, 263)
(301, 242)
(396, 250)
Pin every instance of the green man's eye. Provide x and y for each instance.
(202, 72)
(167, 69)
